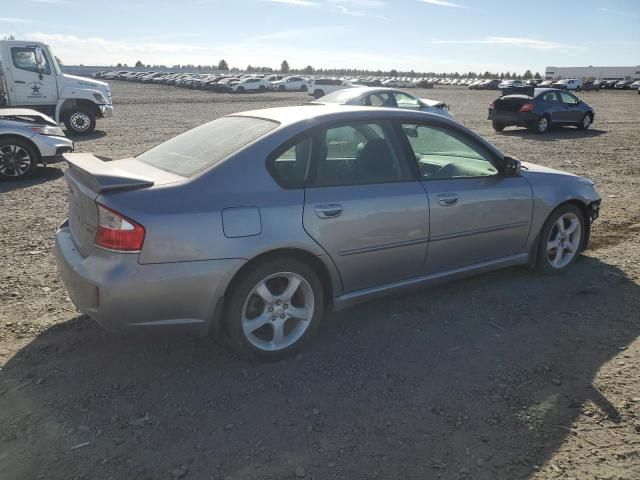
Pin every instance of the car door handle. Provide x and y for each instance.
(19, 81)
(328, 211)
(447, 199)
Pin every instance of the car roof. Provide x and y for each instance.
(327, 112)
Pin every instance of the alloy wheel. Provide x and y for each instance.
(15, 161)
(564, 240)
(278, 311)
(543, 124)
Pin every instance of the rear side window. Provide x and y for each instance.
(290, 166)
(204, 146)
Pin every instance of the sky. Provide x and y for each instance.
(420, 35)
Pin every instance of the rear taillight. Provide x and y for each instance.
(491, 104)
(117, 232)
(527, 107)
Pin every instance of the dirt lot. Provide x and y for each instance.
(510, 375)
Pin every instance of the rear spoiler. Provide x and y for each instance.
(102, 177)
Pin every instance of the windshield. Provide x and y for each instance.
(54, 61)
(198, 149)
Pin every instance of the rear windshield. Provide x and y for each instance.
(198, 149)
(339, 96)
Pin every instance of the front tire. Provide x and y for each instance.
(18, 159)
(240, 90)
(274, 309)
(561, 239)
(80, 121)
(303, 88)
(586, 121)
(498, 127)
(318, 93)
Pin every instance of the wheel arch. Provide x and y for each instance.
(330, 283)
(583, 207)
(26, 140)
(67, 105)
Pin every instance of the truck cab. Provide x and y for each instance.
(31, 77)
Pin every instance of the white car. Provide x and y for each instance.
(319, 87)
(29, 138)
(569, 84)
(384, 97)
(290, 83)
(248, 84)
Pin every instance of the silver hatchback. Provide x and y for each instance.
(255, 224)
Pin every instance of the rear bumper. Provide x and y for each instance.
(521, 119)
(123, 295)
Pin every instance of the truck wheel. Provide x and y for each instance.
(18, 159)
(80, 121)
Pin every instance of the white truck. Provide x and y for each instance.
(30, 77)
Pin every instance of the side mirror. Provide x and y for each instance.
(39, 56)
(511, 167)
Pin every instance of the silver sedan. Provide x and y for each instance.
(254, 225)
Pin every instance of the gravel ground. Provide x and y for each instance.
(509, 375)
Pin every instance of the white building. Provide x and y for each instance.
(598, 73)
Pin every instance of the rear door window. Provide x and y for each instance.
(358, 153)
(568, 99)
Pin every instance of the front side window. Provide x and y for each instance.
(440, 154)
(568, 99)
(204, 146)
(24, 58)
(358, 153)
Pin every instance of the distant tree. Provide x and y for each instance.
(507, 75)
(139, 64)
(528, 75)
(393, 73)
(308, 70)
(284, 67)
(502, 76)
(537, 76)
(9, 37)
(222, 65)
(119, 65)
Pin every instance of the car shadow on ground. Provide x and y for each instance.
(554, 134)
(480, 379)
(41, 175)
(96, 134)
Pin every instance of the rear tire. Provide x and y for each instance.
(318, 93)
(542, 125)
(498, 127)
(80, 121)
(281, 88)
(240, 90)
(18, 159)
(586, 121)
(274, 309)
(303, 88)
(561, 239)
(262, 88)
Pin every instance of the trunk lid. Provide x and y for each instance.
(89, 177)
(510, 103)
